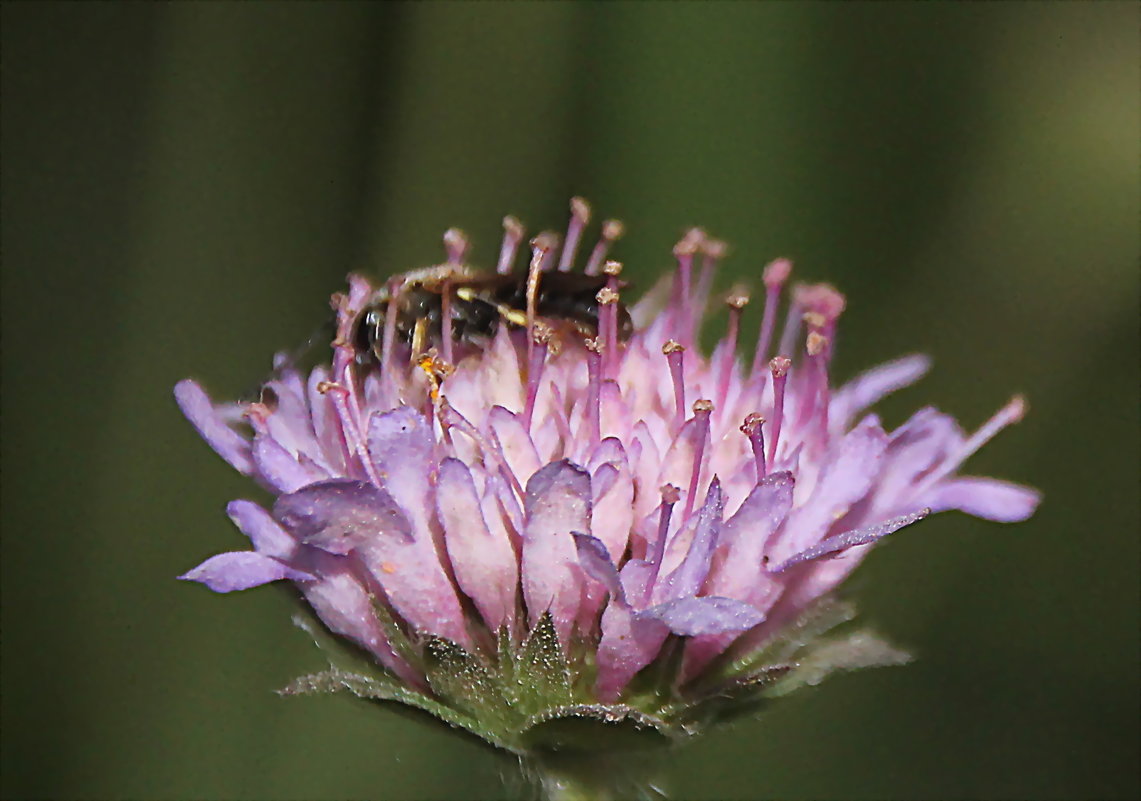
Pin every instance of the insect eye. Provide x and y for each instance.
(368, 332)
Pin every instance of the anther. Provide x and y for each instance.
(456, 245)
(779, 366)
(607, 298)
(751, 428)
(612, 231)
(545, 243)
(675, 356)
(815, 344)
(580, 216)
(513, 234)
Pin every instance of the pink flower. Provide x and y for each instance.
(642, 499)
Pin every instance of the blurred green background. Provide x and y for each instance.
(184, 184)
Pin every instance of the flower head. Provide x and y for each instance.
(592, 519)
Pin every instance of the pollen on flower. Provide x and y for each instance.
(518, 470)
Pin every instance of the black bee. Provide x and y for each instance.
(478, 303)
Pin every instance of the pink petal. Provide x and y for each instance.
(515, 442)
(557, 502)
(484, 563)
(629, 643)
(613, 496)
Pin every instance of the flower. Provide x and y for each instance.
(543, 526)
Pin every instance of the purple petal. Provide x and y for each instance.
(344, 516)
(745, 535)
(240, 570)
(867, 388)
(557, 502)
(691, 617)
(267, 536)
(629, 643)
(850, 539)
(346, 607)
(401, 445)
(281, 468)
(848, 474)
(484, 563)
(595, 561)
(988, 498)
(687, 579)
(340, 515)
(226, 442)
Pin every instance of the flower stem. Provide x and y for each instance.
(596, 777)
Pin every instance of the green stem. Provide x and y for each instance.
(596, 777)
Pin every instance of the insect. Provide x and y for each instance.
(476, 305)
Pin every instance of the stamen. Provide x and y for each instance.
(779, 367)
(491, 450)
(675, 356)
(702, 409)
(684, 252)
(612, 231)
(751, 428)
(825, 303)
(792, 322)
(816, 389)
(712, 251)
(1012, 412)
(736, 301)
(548, 243)
(389, 329)
(348, 416)
(670, 496)
(456, 245)
(539, 251)
(776, 273)
(594, 389)
(542, 334)
(607, 298)
(513, 234)
(580, 216)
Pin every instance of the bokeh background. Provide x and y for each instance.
(184, 185)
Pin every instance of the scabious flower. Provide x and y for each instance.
(544, 528)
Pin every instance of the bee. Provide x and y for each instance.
(477, 304)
